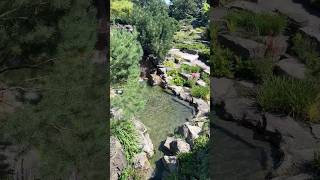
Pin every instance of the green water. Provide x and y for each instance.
(163, 113)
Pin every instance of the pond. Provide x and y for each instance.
(162, 115)
(239, 153)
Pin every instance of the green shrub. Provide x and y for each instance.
(125, 132)
(205, 77)
(178, 80)
(257, 69)
(221, 61)
(306, 50)
(190, 83)
(292, 96)
(120, 9)
(201, 143)
(173, 72)
(155, 27)
(190, 69)
(200, 92)
(258, 23)
(126, 52)
(169, 63)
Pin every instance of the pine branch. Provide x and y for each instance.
(26, 66)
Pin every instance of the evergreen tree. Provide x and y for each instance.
(155, 27)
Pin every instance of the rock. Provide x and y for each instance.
(155, 80)
(315, 128)
(241, 109)
(313, 33)
(167, 143)
(163, 70)
(185, 75)
(221, 89)
(201, 83)
(202, 106)
(116, 113)
(143, 138)
(186, 96)
(246, 48)
(291, 67)
(176, 89)
(296, 19)
(32, 97)
(118, 160)
(142, 166)
(179, 146)
(202, 65)
(140, 161)
(190, 132)
(248, 6)
(176, 53)
(296, 177)
(170, 163)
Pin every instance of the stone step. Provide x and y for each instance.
(291, 67)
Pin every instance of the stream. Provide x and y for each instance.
(162, 115)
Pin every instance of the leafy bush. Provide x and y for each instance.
(120, 9)
(190, 69)
(169, 63)
(125, 132)
(126, 52)
(178, 80)
(190, 83)
(173, 72)
(201, 143)
(205, 77)
(258, 23)
(292, 96)
(306, 50)
(183, 9)
(155, 27)
(257, 69)
(200, 92)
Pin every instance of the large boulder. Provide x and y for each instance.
(315, 128)
(313, 33)
(221, 89)
(142, 166)
(246, 48)
(291, 67)
(143, 137)
(118, 160)
(296, 177)
(177, 54)
(203, 108)
(167, 143)
(189, 131)
(170, 163)
(248, 6)
(180, 146)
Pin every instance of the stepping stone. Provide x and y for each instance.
(201, 83)
(291, 67)
(245, 48)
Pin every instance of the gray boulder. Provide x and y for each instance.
(315, 128)
(291, 67)
(221, 89)
(170, 163)
(190, 132)
(32, 97)
(118, 160)
(245, 48)
(167, 143)
(180, 146)
(143, 137)
(203, 107)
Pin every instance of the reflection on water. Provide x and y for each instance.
(238, 153)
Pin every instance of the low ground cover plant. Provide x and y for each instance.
(221, 61)
(125, 132)
(200, 92)
(190, 69)
(288, 95)
(306, 50)
(261, 24)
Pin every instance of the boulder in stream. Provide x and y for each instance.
(170, 163)
(180, 146)
(190, 132)
(142, 166)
